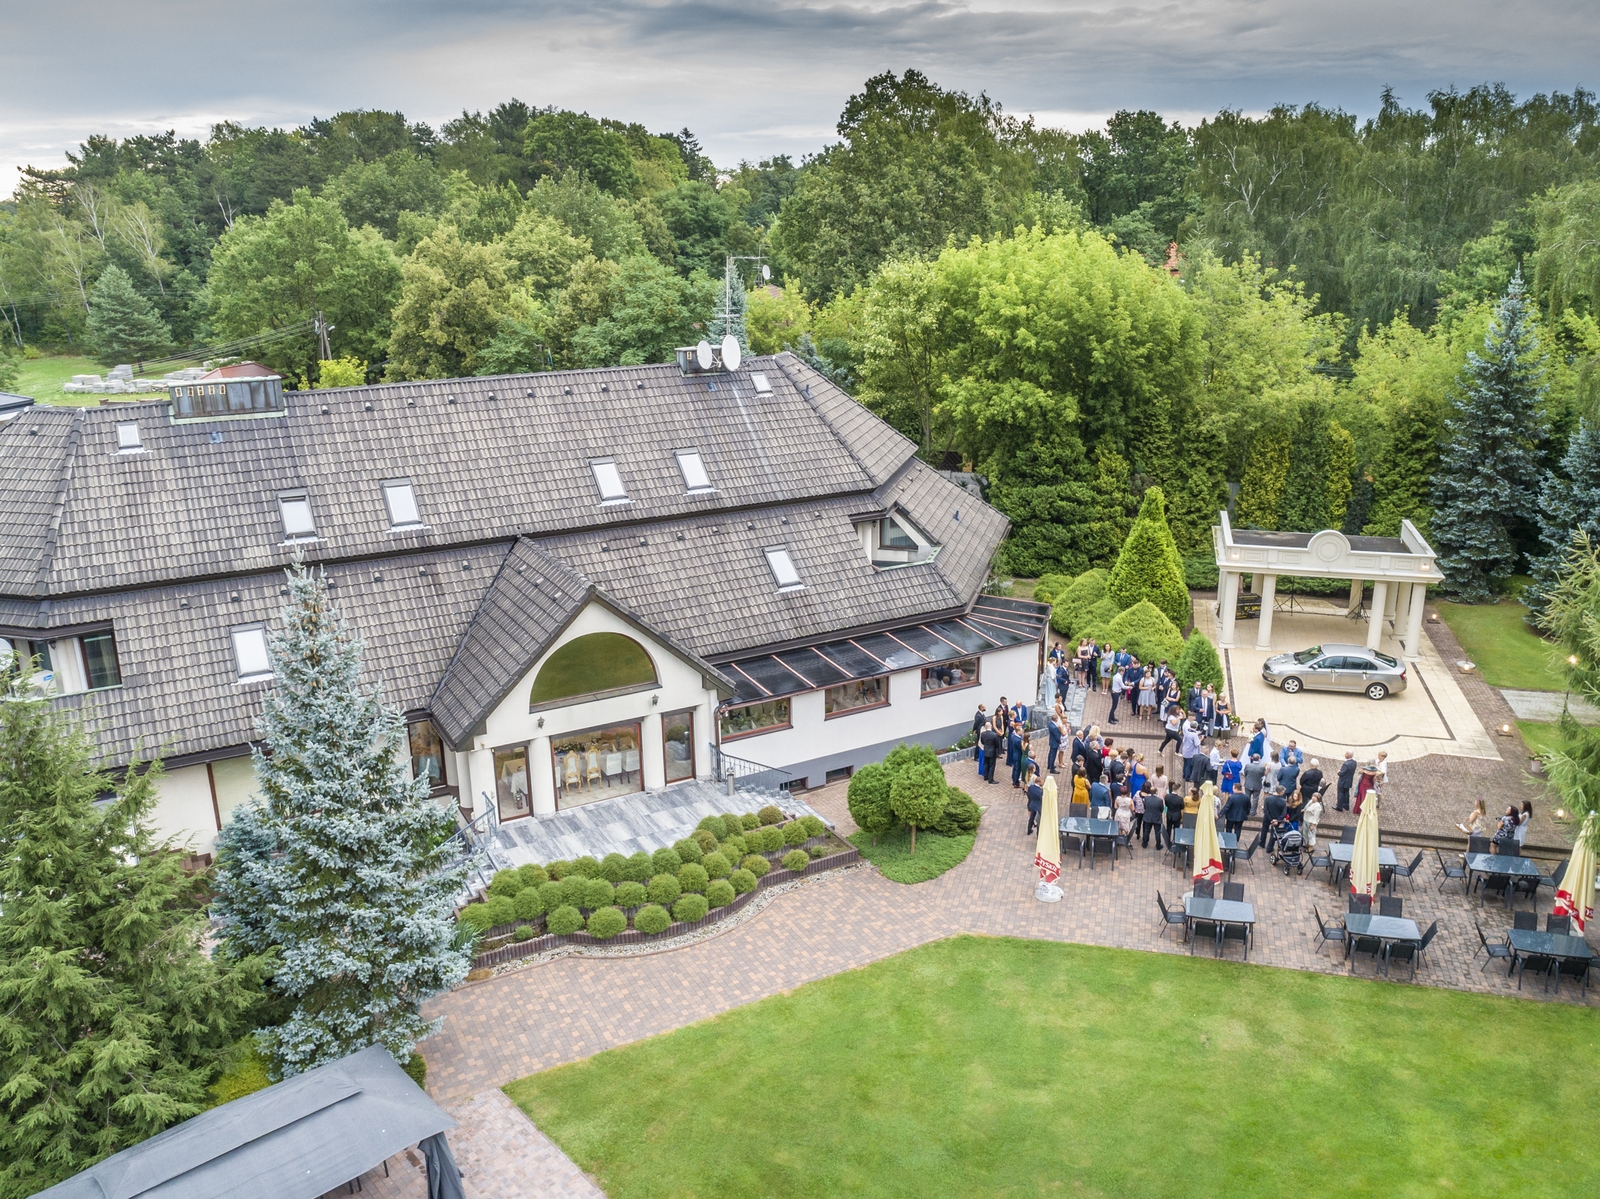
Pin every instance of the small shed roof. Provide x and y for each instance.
(297, 1139)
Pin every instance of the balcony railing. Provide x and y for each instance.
(727, 768)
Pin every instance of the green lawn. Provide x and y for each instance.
(42, 378)
(1507, 651)
(1541, 736)
(980, 1066)
(893, 857)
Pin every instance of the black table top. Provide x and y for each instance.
(1500, 863)
(1389, 928)
(1185, 836)
(1551, 945)
(1085, 826)
(1340, 851)
(1226, 911)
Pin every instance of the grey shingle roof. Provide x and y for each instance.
(37, 450)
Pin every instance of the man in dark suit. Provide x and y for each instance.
(1272, 811)
(991, 742)
(1054, 728)
(1347, 780)
(979, 721)
(1310, 781)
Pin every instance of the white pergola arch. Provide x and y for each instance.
(1400, 569)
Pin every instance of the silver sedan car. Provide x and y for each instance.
(1336, 668)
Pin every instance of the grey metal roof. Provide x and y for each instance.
(297, 1139)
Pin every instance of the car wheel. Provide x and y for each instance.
(1376, 691)
(1292, 684)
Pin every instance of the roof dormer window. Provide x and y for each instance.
(295, 508)
(401, 499)
(250, 653)
(693, 468)
(609, 480)
(783, 571)
(128, 441)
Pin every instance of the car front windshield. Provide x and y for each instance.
(1307, 656)
(1385, 659)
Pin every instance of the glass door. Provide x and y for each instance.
(677, 745)
(511, 781)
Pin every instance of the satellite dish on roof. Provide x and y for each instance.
(766, 271)
(702, 355)
(730, 352)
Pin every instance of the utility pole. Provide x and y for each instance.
(320, 324)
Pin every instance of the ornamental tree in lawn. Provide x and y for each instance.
(356, 884)
(918, 795)
(1487, 486)
(868, 797)
(123, 325)
(1149, 567)
(113, 1017)
(1569, 503)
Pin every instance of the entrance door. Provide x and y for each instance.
(677, 745)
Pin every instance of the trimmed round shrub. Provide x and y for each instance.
(639, 868)
(597, 894)
(704, 839)
(690, 908)
(666, 861)
(796, 860)
(586, 866)
(818, 851)
(868, 796)
(551, 893)
(529, 904)
(1145, 631)
(770, 815)
(613, 868)
(716, 865)
(742, 881)
(750, 820)
(606, 923)
(664, 889)
(476, 917)
(559, 869)
(689, 849)
(574, 890)
(756, 864)
(693, 877)
(795, 833)
(814, 826)
(735, 848)
(719, 893)
(506, 883)
(961, 814)
(532, 876)
(564, 921)
(501, 911)
(630, 894)
(651, 919)
(756, 839)
(715, 825)
(524, 933)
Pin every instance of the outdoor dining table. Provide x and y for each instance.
(1509, 866)
(1220, 911)
(1377, 928)
(1343, 852)
(1564, 948)
(1227, 842)
(1089, 831)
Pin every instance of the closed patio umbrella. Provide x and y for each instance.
(1575, 895)
(1047, 859)
(1364, 857)
(1207, 849)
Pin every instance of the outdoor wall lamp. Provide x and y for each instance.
(654, 700)
(541, 722)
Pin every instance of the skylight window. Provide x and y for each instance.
(250, 653)
(788, 578)
(693, 467)
(402, 501)
(295, 507)
(128, 441)
(609, 480)
(760, 380)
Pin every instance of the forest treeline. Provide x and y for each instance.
(1285, 303)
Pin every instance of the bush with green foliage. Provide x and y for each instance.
(917, 795)
(597, 893)
(586, 866)
(690, 908)
(551, 892)
(1149, 567)
(1068, 608)
(664, 889)
(652, 919)
(868, 797)
(818, 851)
(770, 814)
(614, 868)
(689, 849)
(1095, 623)
(1144, 631)
(693, 877)
(564, 921)
(742, 881)
(475, 916)
(1200, 572)
(505, 882)
(814, 826)
(606, 923)
(719, 893)
(771, 838)
(666, 861)
(1199, 663)
(961, 814)
(735, 847)
(714, 825)
(559, 869)
(716, 864)
(574, 891)
(750, 820)
(905, 755)
(704, 839)
(501, 911)
(795, 833)
(522, 932)
(244, 1074)
(416, 1069)
(529, 904)
(1050, 586)
(640, 868)
(631, 894)
(756, 864)
(796, 860)
(532, 875)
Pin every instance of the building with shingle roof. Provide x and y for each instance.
(575, 584)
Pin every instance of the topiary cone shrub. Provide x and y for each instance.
(1144, 631)
(1149, 566)
(1199, 662)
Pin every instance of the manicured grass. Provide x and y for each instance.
(42, 378)
(977, 1067)
(1507, 651)
(893, 858)
(1541, 736)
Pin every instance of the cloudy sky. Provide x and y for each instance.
(749, 79)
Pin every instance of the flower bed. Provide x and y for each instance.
(701, 880)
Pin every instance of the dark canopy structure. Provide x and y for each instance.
(297, 1139)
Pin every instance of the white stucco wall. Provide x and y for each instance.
(183, 808)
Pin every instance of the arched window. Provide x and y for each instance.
(592, 665)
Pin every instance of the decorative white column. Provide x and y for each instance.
(1228, 603)
(479, 777)
(1392, 610)
(1254, 584)
(1269, 587)
(541, 778)
(1419, 601)
(652, 759)
(1380, 597)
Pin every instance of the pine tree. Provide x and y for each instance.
(113, 1017)
(347, 855)
(1266, 473)
(1488, 479)
(1149, 568)
(1569, 503)
(123, 325)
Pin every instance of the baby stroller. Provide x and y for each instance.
(1288, 852)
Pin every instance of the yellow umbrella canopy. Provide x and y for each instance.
(1207, 849)
(1575, 895)
(1364, 857)
(1048, 856)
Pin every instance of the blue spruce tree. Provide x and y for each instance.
(1488, 480)
(342, 863)
(731, 317)
(1569, 503)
